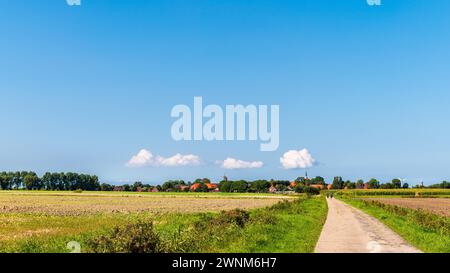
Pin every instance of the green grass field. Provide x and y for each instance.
(296, 230)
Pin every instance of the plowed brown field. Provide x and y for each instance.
(439, 206)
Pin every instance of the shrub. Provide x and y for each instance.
(299, 189)
(78, 191)
(289, 207)
(282, 205)
(210, 229)
(139, 237)
(185, 239)
(211, 222)
(264, 217)
(311, 191)
(307, 189)
(237, 217)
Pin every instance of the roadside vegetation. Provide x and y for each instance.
(289, 227)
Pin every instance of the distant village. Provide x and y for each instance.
(302, 184)
(226, 185)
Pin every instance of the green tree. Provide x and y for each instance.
(137, 185)
(260, 186)
(349, 185)
(307, 189)
(360, 184)
(70, 181)
(17, 180)
(374, 184)
(397, 183)
(54, 181)
(240, 186)
(301, 180)
(318, 180)
(225, 186)
(106, 187)
(46, 181)
(338, 183)
(31, 181)
(4, 183)
(61, 182)
(387, 186)
(206, 181)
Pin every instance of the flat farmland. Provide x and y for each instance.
(440, 206)
(72, 204)
(41, 222)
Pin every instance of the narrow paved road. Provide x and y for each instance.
(349, 230)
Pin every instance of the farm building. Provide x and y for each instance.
(273, 189)
(183, 188)
(154, 189)
(317, 186)
(212, 187)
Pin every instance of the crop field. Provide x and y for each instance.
(47, 221)
(440, 206)
(66, 204)
(435, 201)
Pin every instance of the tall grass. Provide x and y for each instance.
(285, 227)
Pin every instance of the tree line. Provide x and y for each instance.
(443, 185)
(262, 186)
(49, 181)
(339, 183)
(71, 181)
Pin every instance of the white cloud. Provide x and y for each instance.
(232, 163)
(297, 159)
(146, 159)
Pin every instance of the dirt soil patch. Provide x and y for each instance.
(65, 205)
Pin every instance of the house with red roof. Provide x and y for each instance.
(212, 187)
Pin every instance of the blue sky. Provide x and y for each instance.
(365, 89)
